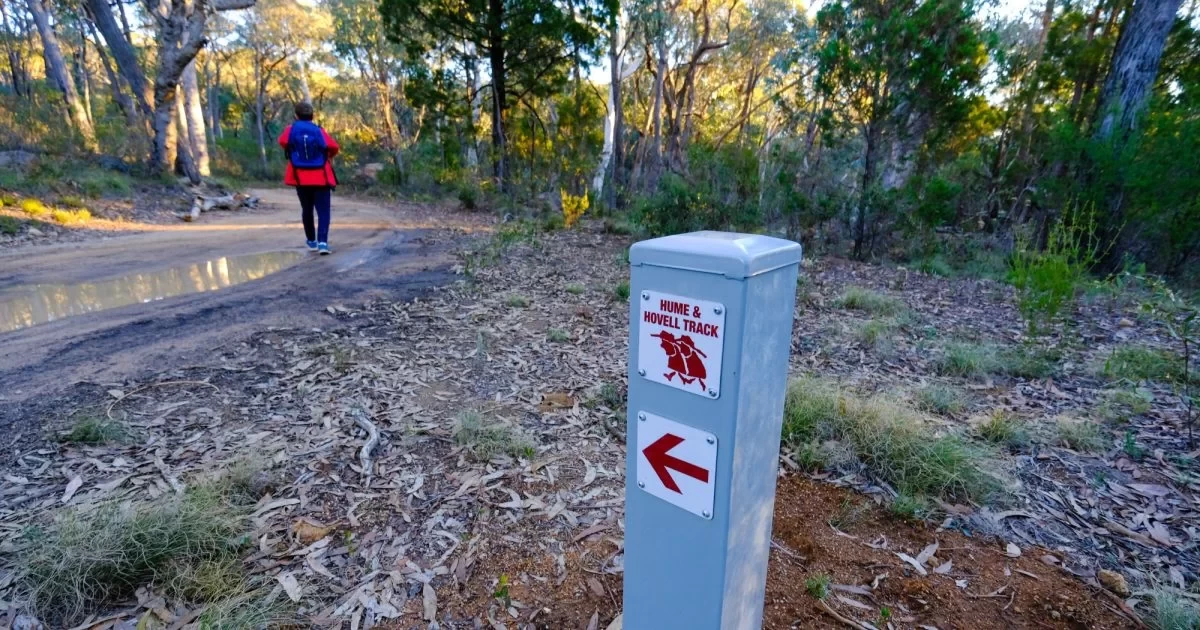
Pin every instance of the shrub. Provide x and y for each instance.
(860, 299)
(892, 441)
(71, 217)
(486, 440)
(468, 194)
(679, 206)
(573, 207)
(34, 207)
(10, 226)
(1049, 279)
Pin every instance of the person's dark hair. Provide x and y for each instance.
(304, 111)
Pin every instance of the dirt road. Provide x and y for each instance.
(107, 309)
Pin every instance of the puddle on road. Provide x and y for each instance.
(30, 305)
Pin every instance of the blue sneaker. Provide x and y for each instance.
(312, 245)
(323, 249)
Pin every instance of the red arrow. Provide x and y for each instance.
(660, 461)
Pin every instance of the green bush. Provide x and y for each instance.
(679, 206)
(1049, 279)
(10, 226)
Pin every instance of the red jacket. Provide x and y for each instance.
(311, 177)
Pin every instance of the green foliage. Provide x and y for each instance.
(909, 508)
(876, 332)
(860, 299)
(93, 430)
(893, 442)
(516, 301)
(1139, 363)
(973, 360)
(10, 226)
(1121, 405)
(1048, 280)
(818, 585)
(680, 206)
(575, 288)
(485, 440)
(1003, 428)
(557, 335)
(621, 292)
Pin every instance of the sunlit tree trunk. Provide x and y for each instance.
(56, 67)
(259, 97)
(194, 115)
(302, 71)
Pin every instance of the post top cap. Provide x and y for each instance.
(730, 254)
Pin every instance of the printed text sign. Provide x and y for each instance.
(677, 463)
(681, 341)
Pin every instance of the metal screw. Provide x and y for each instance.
(717, 310)
(706, 514)
(711, 440)
(645, 295)
(712, 393)
(641, 372)
(642, 417)
(641, 484)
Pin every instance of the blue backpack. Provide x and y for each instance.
(306, 145)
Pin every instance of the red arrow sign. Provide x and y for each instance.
(660, 461)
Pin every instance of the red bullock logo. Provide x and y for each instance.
(683, 358)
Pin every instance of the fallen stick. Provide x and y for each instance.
(108, 412)
(825, 608)
(364, 454)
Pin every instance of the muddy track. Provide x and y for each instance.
(396, 252)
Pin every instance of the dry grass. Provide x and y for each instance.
(891, 440)
(1004, 429)
(941, 399)
(86, 561)
(1079, 435)
(71, 217)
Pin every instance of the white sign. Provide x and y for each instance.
(680, 342)
(677, 463)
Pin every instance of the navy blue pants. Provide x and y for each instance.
(315, 198)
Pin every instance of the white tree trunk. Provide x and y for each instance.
(302, 68)
(56, 67)
(194, 115)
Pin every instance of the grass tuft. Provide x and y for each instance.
(1173, 611)
(818, 585)
(876, 332)
(10, 226)
(1079, 435)
(84, 562)
(621, 292)
(557, 335)
(1004, 429)
(575, 289)
(92, 430)
(941, 399)
(1120, 405)
(1138, 363)
(516, 301)
(974, 360)
(860, 299)
(486, 440)
(892, 441)
(909, 508)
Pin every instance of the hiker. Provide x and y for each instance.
(310, 150)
